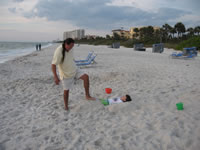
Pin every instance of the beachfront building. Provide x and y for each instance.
(134, 31)
(122, 33)
(75, 34)
(91, 37)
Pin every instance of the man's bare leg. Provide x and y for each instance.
(86, 84)
(66, 96)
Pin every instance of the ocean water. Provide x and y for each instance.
(11, 50)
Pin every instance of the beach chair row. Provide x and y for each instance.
(156, 48)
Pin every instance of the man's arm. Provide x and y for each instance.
(56, 79)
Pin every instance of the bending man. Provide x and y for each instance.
(68, 71)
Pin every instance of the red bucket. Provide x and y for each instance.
(108, 90)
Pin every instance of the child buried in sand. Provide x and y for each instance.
(116, 100)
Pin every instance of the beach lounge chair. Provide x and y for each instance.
(158, 48)
(91, 61)
(182, 56)
(139, 47)
(115, 45)
(190, 50)
(191, 56)
(87, 59)
(187, 53)
(175, 54)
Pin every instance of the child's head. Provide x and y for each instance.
(126, 98)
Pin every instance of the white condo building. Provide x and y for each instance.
(75, 34)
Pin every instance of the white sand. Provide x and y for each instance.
(32, 114)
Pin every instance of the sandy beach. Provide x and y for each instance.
(32, 115)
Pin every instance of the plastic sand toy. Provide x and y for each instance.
(179, 106)
(108, 90)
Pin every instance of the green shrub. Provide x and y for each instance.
(191, 42)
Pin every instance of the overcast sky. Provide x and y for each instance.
(46, 20)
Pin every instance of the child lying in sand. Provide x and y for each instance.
(116, 100)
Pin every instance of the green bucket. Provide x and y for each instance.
(179, 106)
(104, 102)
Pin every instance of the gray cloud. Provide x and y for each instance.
(18, 1)
(97, 15)
(162, 16)
(192, 5)
(170, 13)
(12, 10)
(4, 2)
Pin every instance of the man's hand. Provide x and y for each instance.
(56, 80)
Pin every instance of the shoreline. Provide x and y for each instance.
(22, 52)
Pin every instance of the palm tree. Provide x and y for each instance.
(136, 30)
(107, 36)
(150, 31)
(167, 28)
(197, 29)
(164, 33)
(180, 28)
(191, 31)
(116, 36)
(158, 35)
(173, 31)
(142, 32)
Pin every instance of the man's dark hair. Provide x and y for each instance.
(128, 98)
(67, 41)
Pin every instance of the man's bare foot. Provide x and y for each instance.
(90, 98)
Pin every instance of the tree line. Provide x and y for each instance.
(172, 36)
(164, 34)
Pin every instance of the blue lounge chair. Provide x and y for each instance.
(190, 50)
(190, 56)
(86, 60)
(182, 56)
(91, 61)
(174, 54)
